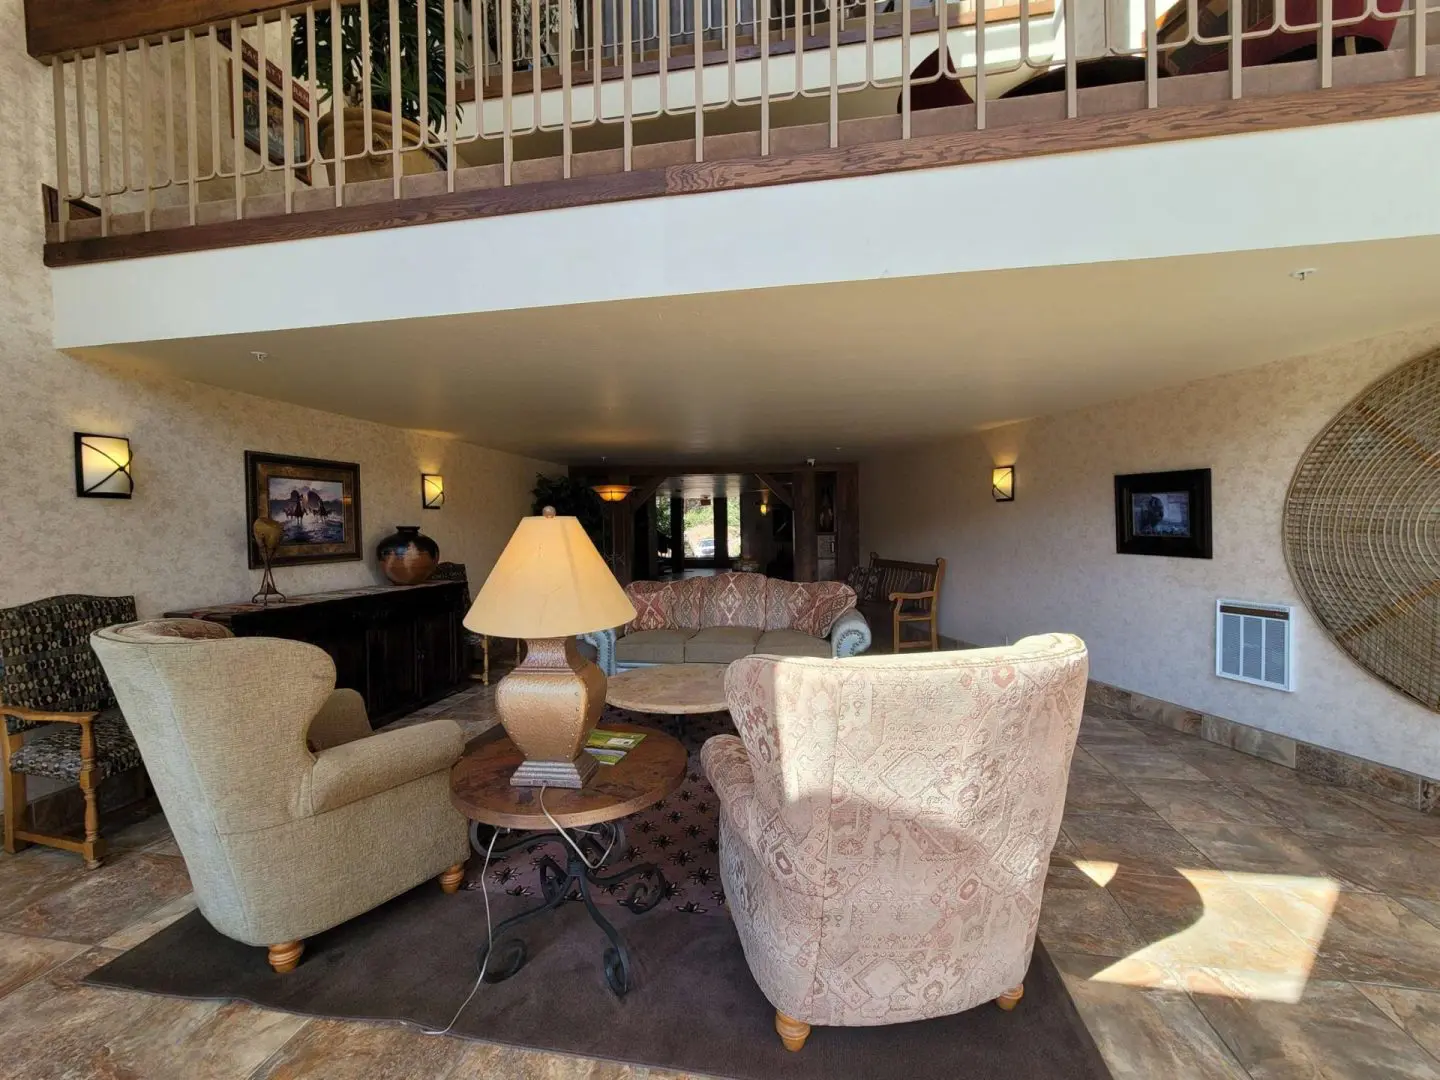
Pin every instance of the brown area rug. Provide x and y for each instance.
(694, 1006)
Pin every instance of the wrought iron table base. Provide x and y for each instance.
(503, 956)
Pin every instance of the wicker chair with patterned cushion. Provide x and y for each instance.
(61, 720)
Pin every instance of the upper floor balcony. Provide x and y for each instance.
(162, 144)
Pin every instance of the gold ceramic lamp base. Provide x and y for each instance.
(548, 706)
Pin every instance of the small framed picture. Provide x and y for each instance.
(273, 121)
(317, 504)
(1165, 513)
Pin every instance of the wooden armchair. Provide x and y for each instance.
(913, 590)
(50, 678)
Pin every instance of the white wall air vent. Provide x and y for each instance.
(1254, 643)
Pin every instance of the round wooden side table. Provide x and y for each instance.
(480, 789)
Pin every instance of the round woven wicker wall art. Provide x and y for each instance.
(1362, 529)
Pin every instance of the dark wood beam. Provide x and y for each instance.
(1145, 126)
(777, 488)
(55, 27)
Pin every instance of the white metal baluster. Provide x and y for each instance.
(192, 127)
(313, 127)
(942, 31)
(1152, 57)
(337, 97)
(732, 24)
(102, 155)
(699, 56)
(835, 72)
(476, 68)
(62, 146)
(567, 148)
(423, 63)
(1418, 36)
(1327, 42)
(1024, 33)
(237, 113)
(980, 94)
(1072, 90)
(124, 76)
(597, 16)
(764, 9)
(627, 74)
(366, 75)
(662, 20)
(536, 89)
(213, 49)
(1237, 48)
(287, 111)
(507, 88)
(904, 69)
(397, 118)
(147, 132)
(82, 126)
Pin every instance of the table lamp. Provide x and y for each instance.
(549, 585)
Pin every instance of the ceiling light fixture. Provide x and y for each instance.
(1305, 273)
(260, 357)
(612, 493)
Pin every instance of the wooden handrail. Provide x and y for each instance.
(56, 27)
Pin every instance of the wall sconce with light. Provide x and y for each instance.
(102, 467)
(764, 507)
(432, 491)
(612, 493)
(1002, 483)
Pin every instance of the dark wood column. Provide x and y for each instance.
(721, 506)
(804, 506)
(847, 520)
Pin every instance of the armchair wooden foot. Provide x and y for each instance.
(1010, 998)
(285, 956)
(793, 1033)
(450, 880)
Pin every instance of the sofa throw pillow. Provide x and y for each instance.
(685, 597)
(652, 600)
(733, 600)
(914, 583)
(811, 607)
(865, 580)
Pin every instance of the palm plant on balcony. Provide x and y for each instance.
(385, 98)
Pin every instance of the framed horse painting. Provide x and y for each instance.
(316, 503)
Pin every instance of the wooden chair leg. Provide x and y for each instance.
(792, 1032)
(285, 956)
(934, 633)
(94, 848)
(1010, 998)
(895, 625)
(450, 880)
(16, 795)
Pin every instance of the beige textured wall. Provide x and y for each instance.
(181, 540)
(1047, 561)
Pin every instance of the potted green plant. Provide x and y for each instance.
(384, 97)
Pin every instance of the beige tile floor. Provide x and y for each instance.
(1213, 915)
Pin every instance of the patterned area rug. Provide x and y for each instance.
(680, 834)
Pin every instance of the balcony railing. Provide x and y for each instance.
(167, 130)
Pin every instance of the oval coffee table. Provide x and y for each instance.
(669, 689)
(480, 789)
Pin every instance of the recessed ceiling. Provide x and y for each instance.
(790, 373)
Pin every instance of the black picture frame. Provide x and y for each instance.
(1173, 517)
(341, 511)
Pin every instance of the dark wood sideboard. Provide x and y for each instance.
(401, 646)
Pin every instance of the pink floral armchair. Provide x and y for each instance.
(886, 825)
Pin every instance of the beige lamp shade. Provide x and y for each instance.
(549, 582)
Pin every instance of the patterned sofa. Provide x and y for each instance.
(886, 824)
(719, 619)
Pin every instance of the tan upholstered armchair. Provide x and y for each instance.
(886, 825)
(291, 815)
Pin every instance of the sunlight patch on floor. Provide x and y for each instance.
(1252, 936)
(1097, 870)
